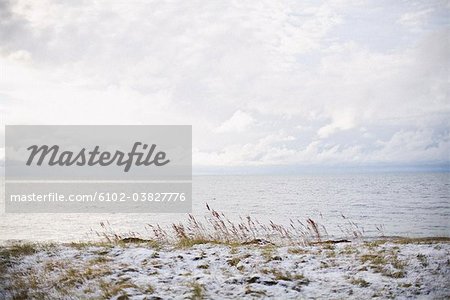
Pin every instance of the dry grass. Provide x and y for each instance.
(197, 290)
(94, 276)
(285, 276)
(216, 228)
(404, 241)
(110, 290)
(14, 252)
(385, 262)
(424, 240)
(360, 282)
(234, 261)
(298, 251)
(18, 250)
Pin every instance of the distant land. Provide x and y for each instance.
(321, 169)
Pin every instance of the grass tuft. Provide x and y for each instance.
(197, 290)
(360, 282)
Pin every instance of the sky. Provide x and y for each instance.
(266, 85)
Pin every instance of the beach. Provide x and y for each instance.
(136, 269)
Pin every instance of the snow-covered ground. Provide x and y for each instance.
(356, 270)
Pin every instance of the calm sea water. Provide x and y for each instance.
(406, 204)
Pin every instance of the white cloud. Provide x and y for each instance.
(416, 18)
(262, 82)
(413, 146)
(238, 122)
(342, 120)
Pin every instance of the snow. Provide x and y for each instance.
(138, 271)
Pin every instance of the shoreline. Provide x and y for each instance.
(138, 269)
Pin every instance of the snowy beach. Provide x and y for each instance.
(384, 268)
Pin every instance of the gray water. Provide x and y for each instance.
(404, 204)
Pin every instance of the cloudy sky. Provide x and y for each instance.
(264, 83)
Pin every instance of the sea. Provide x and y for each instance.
(378, 204)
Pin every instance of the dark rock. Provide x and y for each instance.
(234, 280)
(127, 270)
(257, 242)
(268, 282)
(261, 280)
(129, 240)
(253, 279)
(331, 242)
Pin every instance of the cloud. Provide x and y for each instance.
(416, 18)
(342, 120)
(262, 82)
(413, 146)
(238, 122)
